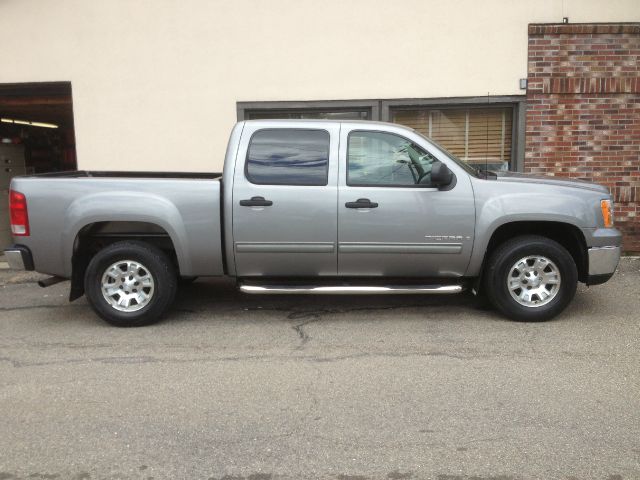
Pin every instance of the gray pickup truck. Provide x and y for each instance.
(322, 207)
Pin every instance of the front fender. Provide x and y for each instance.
(544, 206)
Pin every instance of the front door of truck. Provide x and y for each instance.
(391, 220)
(284, 200)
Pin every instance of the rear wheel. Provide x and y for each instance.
(530, 278)
(130, 284)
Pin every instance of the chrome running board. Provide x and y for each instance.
(350, 289)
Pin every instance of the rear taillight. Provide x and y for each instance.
(18, 214)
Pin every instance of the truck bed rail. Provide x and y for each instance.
(120, 174)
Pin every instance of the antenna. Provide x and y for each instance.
(486, 144)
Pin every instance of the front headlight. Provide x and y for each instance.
(607, 213)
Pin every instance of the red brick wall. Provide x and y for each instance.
(583, 111)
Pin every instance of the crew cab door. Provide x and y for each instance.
(284, 200)
(391, 220)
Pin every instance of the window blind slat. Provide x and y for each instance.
(476, 135)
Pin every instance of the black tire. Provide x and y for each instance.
(499, 268)
(160, 269)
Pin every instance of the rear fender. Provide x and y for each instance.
(122, 207)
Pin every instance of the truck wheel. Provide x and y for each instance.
(130, 284)
(530, 278)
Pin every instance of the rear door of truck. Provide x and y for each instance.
(284, 199)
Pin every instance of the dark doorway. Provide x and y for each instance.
(36, 135)
(39, 117)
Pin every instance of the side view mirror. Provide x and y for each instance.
(441, 176)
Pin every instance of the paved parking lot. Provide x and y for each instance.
(346, 388)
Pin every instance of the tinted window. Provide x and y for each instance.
(288, 157)
(378, 159)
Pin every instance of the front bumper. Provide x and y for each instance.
(603, 262)
(19, 258)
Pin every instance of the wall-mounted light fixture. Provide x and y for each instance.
(523, 84)
(565, 19)
(28, 123)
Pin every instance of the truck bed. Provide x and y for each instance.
(62, 206)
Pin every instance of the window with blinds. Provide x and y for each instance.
(480, 136)
(309, 114)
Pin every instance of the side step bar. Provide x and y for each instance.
(351, 289)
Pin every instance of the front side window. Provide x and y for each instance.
(385, 159)
(287, 156)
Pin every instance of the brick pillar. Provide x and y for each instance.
(583, 111)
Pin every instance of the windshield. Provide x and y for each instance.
(476, 172)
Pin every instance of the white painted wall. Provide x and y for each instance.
(155, 82)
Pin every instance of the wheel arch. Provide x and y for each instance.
(94, 236)
(566, 234)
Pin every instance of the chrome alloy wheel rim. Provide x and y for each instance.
(127, 286)
(534, 281)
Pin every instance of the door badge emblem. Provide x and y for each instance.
(447, 237)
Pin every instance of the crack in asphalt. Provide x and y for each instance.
(136, 360)
(302, 333)
(316, 315)
(34, 307)
(295, 314)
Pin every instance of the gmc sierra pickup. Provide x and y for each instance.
(320, 207)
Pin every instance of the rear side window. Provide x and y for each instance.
(288, 157)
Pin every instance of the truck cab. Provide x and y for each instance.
(318, 198)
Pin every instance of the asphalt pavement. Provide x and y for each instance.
(239, 387)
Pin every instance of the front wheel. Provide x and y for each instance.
(530, 278)
(130, 283)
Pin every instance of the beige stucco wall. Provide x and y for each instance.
(155, 82)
